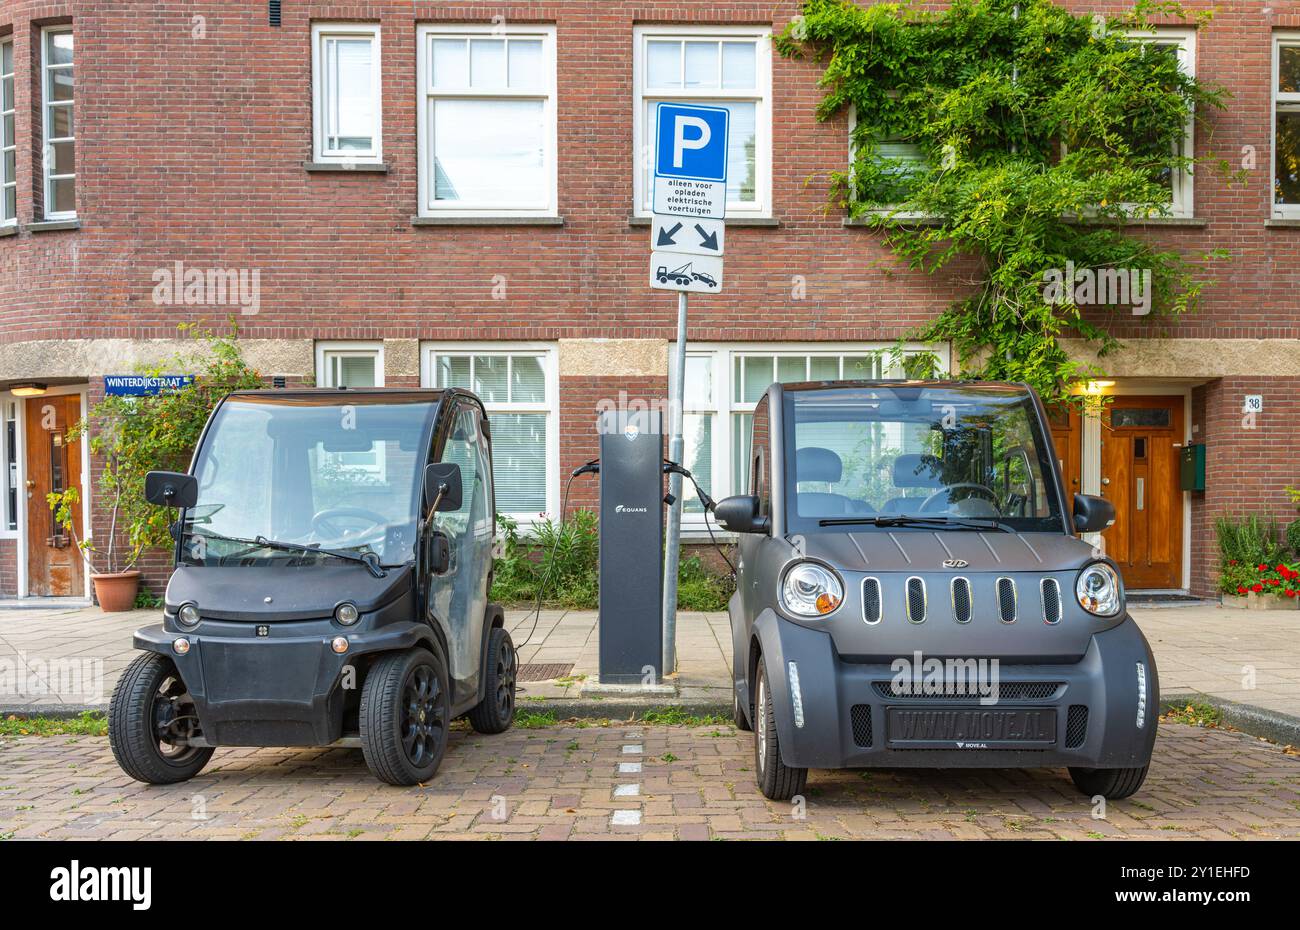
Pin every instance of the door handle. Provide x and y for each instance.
(1105, 481)
(30, 484)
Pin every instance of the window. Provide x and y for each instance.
(9, 463)
(725, 382)
(727, 67)
(58, 154)
(519, 386)
(1182, 44)
(8, 149)
(899, 164)
(487, 121)
(352, 365)
(1286, 126)
(346, 108)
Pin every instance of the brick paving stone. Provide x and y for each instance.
(1203, 784)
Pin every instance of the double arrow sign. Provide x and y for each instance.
(708, 240)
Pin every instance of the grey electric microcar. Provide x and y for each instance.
(333, 561)
(912, 591)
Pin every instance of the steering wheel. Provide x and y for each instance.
(321, 525)
(947, 490)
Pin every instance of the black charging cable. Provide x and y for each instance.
(673, 468)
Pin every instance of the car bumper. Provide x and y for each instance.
(832, 714)
(286, 688)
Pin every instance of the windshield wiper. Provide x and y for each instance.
(369, 559)
(965, 523)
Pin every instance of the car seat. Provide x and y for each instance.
(814, 464)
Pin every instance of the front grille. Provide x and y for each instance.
(860, 717)
(1007, 691)
(1051, 601)
(1076, 726)
(961, 602)
(871, 600)
(916, 599)
(1007, 600)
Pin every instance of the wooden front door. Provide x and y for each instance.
(1141, 438)
(1067, 437)
(54, 566)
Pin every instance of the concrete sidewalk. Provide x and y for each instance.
(66, 659)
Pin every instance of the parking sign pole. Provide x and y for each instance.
(676, 450)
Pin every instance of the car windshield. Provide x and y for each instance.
(907, 453)
(309, 471)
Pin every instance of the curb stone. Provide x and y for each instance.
(1257, 721)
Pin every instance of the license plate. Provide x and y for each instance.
(971, 727)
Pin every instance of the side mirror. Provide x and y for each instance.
(442, 484)
(439, 553)
(740, 515)
(1092, 514)
(171, 489)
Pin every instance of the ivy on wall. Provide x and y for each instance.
(1016, 139)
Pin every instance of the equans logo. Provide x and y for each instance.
(87, 883)
(632, 431)
(624, 508)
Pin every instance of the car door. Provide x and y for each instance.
(754, 591)
(459, 596)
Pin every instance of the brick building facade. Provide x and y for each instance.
(425, 193)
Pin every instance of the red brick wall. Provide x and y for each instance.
(8, 568)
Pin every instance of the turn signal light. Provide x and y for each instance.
(826, 603)
(181, 646)
(339, 644)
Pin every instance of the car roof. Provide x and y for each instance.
(1008, 387)
(324, 396)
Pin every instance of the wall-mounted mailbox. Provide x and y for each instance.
(1192, 467)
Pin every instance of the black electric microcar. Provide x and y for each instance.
(333, 560)
(911, 592)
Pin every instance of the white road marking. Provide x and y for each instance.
(629, 768)
(625, 818)
(627, 791)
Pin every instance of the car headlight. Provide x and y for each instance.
(811, 590)
(346, 613)
(188, 616)
(1099, 590)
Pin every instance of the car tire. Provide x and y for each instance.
(738, 714)
(1111, 784)
(496, 712)
(133, 721)
(405, 717)
(777, 781)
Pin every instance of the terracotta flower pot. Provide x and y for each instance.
(116, 592)
(1260, 601)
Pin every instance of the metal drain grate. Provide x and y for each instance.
(544, 671)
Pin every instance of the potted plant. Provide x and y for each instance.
(1253, 573)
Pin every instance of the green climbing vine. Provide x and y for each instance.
(1012, 142)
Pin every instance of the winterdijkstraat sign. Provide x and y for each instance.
(143, 385)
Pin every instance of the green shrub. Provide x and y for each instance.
(562, 561)
(1245, 544)
(1293, 537)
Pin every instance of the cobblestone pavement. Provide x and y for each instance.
(641, 781)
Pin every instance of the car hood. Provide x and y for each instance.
(269, 593)
(920, 550)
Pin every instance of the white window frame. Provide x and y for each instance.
(548, 353)
(547, 206)
(320, 34)
(12, 144)
(47, 143)
(724, 406)
(890, 209)
(1289, 102)
(1183, 203)
(19, 476)
(326, 351)
(642, 183)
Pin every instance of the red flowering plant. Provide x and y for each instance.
(1253, 559)
(1280, 580)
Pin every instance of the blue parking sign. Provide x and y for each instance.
(692, 142)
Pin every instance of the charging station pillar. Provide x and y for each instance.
(631, 545)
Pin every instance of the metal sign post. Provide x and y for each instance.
(687, 240)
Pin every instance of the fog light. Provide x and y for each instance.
(340, 644)
(188, 615)
(1142, 695)
(796, 695)
(181, 646)
(346, 613)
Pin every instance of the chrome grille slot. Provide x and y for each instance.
(961, 600)
(916, 599)
(1051, 590)
(1007, 600)
(871, 602)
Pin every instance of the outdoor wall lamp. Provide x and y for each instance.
(28, 389)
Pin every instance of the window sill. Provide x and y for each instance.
(769, 222)
(868, 222)
(1190, 222)
(52, 226)
(487, 221)
(9, 229)
(330, 167)
(1279, 222)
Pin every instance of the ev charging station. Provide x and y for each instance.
(631, 546)
(638, 565)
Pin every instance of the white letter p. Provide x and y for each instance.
(681, 143)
